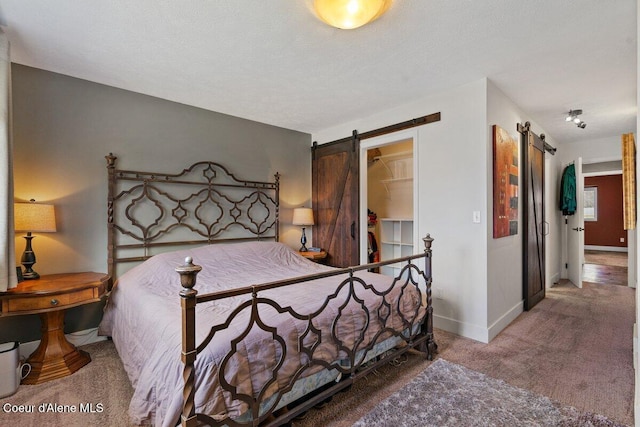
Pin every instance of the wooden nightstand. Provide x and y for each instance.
(314, 256)
(49, 297)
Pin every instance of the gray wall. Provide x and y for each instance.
(63, 127)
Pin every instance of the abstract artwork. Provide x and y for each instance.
(629, 181)
(505, 184)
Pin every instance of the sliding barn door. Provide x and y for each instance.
(533, 218)
(335, 198)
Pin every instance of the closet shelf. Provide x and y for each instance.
(399, 166)
(388, 181)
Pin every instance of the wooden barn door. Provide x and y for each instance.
(335, 198)
(533, 263)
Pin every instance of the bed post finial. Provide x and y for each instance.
(188, 272)
(428, 240)
(111, 160)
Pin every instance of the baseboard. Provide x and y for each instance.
(463, 329)
(78, 338)
(606, 248)
(635, 346)
(505, 320)
(553, 280)
(636, 402)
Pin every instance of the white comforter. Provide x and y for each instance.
(143, 317)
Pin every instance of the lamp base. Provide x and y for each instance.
(30, 275)
(28, 259)
(303, 240)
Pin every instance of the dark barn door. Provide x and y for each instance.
(335, 198)
(533, 218)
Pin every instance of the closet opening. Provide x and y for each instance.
(388, 199)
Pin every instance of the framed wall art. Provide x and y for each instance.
(505, 184)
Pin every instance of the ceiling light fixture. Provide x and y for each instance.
(350, 14)
(572, 116)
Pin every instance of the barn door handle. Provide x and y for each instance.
(353, 230)
(545, 228)
(578, 229)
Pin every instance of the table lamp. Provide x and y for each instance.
(32, 217)
(303, 216)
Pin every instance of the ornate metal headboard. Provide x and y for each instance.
(152, 212)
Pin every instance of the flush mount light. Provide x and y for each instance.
(350, 14)
(572, 116)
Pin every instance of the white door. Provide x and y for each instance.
(575, 231)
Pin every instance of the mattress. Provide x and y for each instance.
(143, 317)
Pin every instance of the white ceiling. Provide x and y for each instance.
(274, 62)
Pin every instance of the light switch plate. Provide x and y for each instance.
(476, 217)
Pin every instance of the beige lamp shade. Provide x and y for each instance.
(303, 216)
(34, 217)
(350, 14)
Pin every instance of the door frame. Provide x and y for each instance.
(631, 241)
(381, 141)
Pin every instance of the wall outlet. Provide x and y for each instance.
(622, 240)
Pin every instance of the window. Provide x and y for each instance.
(591, 203)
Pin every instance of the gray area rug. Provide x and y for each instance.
(446, 394)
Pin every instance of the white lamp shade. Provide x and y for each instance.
(34, 217)
(303, 216)
(350, 14)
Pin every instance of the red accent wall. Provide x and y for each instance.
(609, 228)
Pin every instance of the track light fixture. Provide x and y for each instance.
(572, 116)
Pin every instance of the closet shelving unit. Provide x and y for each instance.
(396, 240)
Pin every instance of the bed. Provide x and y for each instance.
(218, 323)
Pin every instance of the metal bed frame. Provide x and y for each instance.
(209, 203)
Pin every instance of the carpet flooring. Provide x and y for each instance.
(446, 394)
(575, 347)
(102, 383)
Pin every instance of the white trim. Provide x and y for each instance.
(78, 338)
(380, 141)
(635, 346)
(601, 160)
(505, 320)
(467, 330)
(606, 248)
(603, 173)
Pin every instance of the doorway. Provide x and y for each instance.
(605, 240)
(388, 198)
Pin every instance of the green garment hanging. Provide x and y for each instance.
(568, 202)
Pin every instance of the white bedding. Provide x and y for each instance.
(143, 317)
